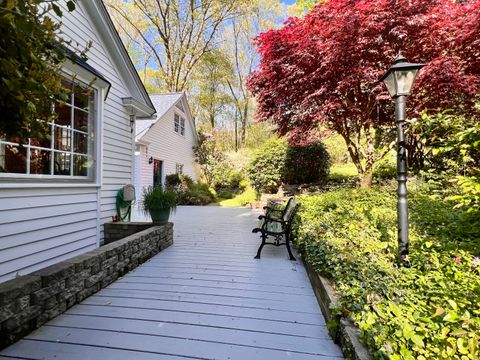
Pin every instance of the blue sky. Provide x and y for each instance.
(288, 2)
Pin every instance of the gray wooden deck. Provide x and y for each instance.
(203, 298)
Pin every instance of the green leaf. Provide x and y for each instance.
(462, 345)
(408, 331)
(459, 333)
(418, 340)
(70, 5)
(453, 304)
(451, 317)
(57, 9)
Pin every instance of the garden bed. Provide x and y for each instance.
(428, 310)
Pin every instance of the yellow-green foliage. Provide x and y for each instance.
(246, 197)
(428, 310)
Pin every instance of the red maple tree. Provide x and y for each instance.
(322, 71)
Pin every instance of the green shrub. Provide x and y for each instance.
(197, 194)
(267, 166)
(428, 310)
(307, 164)
(172, 181)
(247, 197)
(189, 192)
(225, 177)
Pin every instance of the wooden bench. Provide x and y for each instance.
(278, 224)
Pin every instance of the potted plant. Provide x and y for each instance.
(158, 203)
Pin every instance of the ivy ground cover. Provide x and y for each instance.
(427, 310)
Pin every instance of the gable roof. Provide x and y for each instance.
(140, 102)
(163, 103)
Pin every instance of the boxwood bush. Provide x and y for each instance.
(266, 168)
(427, 310)
(307, 164)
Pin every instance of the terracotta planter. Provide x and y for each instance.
(160, 216)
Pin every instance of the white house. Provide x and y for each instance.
(165, 145)
(55, 195)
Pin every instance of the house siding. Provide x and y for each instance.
(171, 147)
(41, 225)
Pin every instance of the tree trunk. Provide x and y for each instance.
(365, 179)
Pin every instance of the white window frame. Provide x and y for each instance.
(179, 124)
(71, 72)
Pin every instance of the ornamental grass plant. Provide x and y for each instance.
(156, 198)
(429, 309)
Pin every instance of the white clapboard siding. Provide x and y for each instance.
(169, 146)
(117, 165)
(42, 225)
(39, 226)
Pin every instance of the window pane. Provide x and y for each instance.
(82, 96)
(13, 159)
(45, 142)
(80, 165)
(40, 161)
(62, 163)
(64, 114)
(176, 127)
(80, 143)
(63, 138)
(80, 121)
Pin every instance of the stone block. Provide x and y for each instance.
(7, 311)
(94, 279)
(109, 279)
(50, 303)
(21, 286)
(55, 273)
(40, 295)
(77, 278)
(49, 314)
(23, 302)
(80, 261)
(110, 262)
(17, 321)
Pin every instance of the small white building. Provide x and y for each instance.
(165, 144)
(56, 194)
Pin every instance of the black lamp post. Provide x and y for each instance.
(399, 80)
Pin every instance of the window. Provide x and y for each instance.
(179, 124)
(179, 169)
(67, 150)
(182, 126)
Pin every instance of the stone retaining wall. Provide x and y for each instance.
(345, 334)
(29, 301)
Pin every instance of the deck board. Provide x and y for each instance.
(205, 297)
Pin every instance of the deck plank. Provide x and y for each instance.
(205, 297)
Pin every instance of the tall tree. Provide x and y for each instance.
(177, 32)
(324, 69)
(211, 96)
(256, 16)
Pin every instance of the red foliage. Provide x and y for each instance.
(324, 69)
